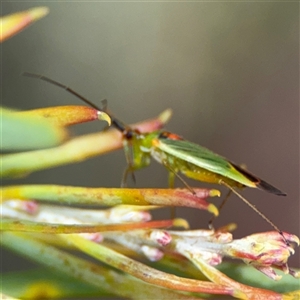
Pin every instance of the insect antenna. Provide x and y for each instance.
(117, 123)
(126, 130)
(62, 86)
(255, 209)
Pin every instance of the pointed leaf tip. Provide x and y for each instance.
(38, 12)
(214, 193)
(165, 116)
(213, 209)
(14, 23)
(178, 222)
(102, 116)
(64, 115)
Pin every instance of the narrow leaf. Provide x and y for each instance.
(112, 196)
(67, 115)
(46, 284)
(14, 23)
(29, 226)
(20, 132)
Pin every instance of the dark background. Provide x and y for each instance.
(229, 71)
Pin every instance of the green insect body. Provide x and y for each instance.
(192, 160)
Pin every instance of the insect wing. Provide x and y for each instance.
(203, 158)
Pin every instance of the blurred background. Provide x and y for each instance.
(229, 71)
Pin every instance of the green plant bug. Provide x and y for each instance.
(180, 156)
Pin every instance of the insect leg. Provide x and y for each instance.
(171, 180)
(125, 175)
(130, 165)
(172, 177)
(172, 174)
(256, 210)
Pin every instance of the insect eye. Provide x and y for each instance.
(170, 136)
(163, 135)
(128, 134)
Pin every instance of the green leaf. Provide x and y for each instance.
(250, 276)
(43, 283)
(20, 132)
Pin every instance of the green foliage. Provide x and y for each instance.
(22, 132)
